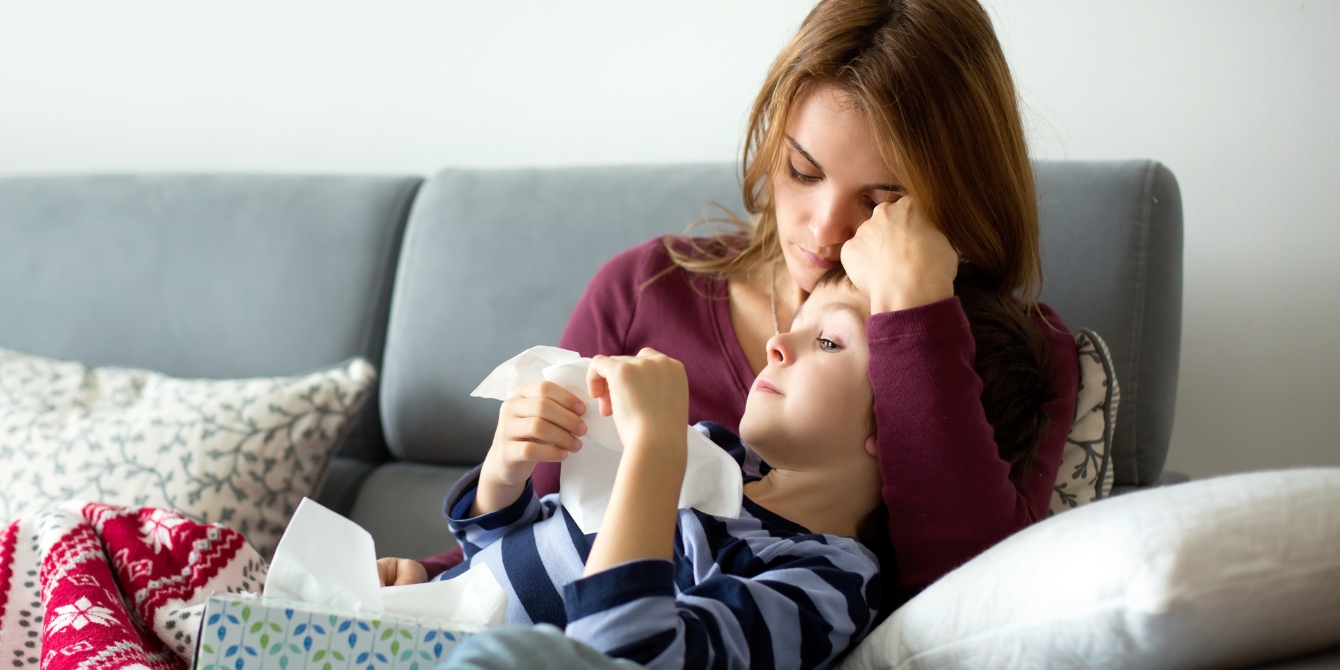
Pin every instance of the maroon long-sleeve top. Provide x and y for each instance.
(948, 493)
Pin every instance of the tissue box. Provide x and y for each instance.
(246, 632)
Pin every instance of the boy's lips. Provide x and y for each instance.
(765, 386)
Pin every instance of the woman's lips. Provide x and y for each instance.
(765, 386)
(817, 261)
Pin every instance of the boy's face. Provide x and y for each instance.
(815, 390)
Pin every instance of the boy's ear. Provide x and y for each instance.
(872, 447)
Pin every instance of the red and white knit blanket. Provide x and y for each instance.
(92, 586)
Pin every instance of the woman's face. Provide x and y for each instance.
(830, 178)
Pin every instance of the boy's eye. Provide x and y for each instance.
(826, 344)
(801, 176)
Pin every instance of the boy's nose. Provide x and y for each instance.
(777, 350)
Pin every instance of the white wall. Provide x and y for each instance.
(1236, 97)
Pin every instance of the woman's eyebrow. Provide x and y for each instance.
(868, 187)
(806, 154)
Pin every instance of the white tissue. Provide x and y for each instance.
(712, 481)
(326, 559)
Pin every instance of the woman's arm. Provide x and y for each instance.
(949, 494)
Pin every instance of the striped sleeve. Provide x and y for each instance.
(476, 533)
(812, 603)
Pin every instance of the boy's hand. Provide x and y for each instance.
(647, 394)
(401, 571)
(539, 423)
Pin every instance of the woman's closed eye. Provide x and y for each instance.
(888, 197)
(801, 176)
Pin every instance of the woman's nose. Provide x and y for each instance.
(833, 224)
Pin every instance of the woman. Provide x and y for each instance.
(886, 138)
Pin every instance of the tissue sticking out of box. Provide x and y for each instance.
(326, 559)
(712, 481)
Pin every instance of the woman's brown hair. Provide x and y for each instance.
(931, 79)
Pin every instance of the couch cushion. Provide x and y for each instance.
(1112, 257)
(400, 505)
(1217, 573)
(242, 452)
(493, 263)
(216, 276)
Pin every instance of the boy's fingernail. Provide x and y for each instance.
(562, 455)
(576, 444)
(580, 407)
(581, 428)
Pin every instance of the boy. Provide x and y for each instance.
(785, 584)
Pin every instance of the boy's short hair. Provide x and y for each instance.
(836, 276)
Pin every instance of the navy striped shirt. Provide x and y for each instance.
(757, 591)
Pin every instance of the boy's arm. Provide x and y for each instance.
(811, 604)
(474, 532)
(649, 398)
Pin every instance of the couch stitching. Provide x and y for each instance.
(1137, 320)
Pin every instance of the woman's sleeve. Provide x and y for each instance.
(808, 609)
(949, 494)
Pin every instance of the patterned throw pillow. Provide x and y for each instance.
(1086, 464)
(242, 452)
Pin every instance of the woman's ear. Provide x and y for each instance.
(872, 447)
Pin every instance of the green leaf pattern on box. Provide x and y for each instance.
(242, 452)
(247, 633)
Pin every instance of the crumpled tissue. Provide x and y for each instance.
(712, 481)
(326, 559)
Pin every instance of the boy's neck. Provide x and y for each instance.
(832, 502)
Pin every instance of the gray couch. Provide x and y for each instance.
(438, 280)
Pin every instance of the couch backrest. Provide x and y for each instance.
(212, 276)
(494, 261)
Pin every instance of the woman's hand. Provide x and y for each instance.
(539, 423)
(900, 258)
(401, 571)
(647, 394)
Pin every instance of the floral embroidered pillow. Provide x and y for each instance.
(1086, 464)
(242, 452)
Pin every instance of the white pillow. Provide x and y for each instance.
(1086, 473)
(1223, 572)
(242, 452)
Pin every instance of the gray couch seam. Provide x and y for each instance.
(403, 281)
(1146, 195)
(385, 262)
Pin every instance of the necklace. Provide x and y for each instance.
(772, 300)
